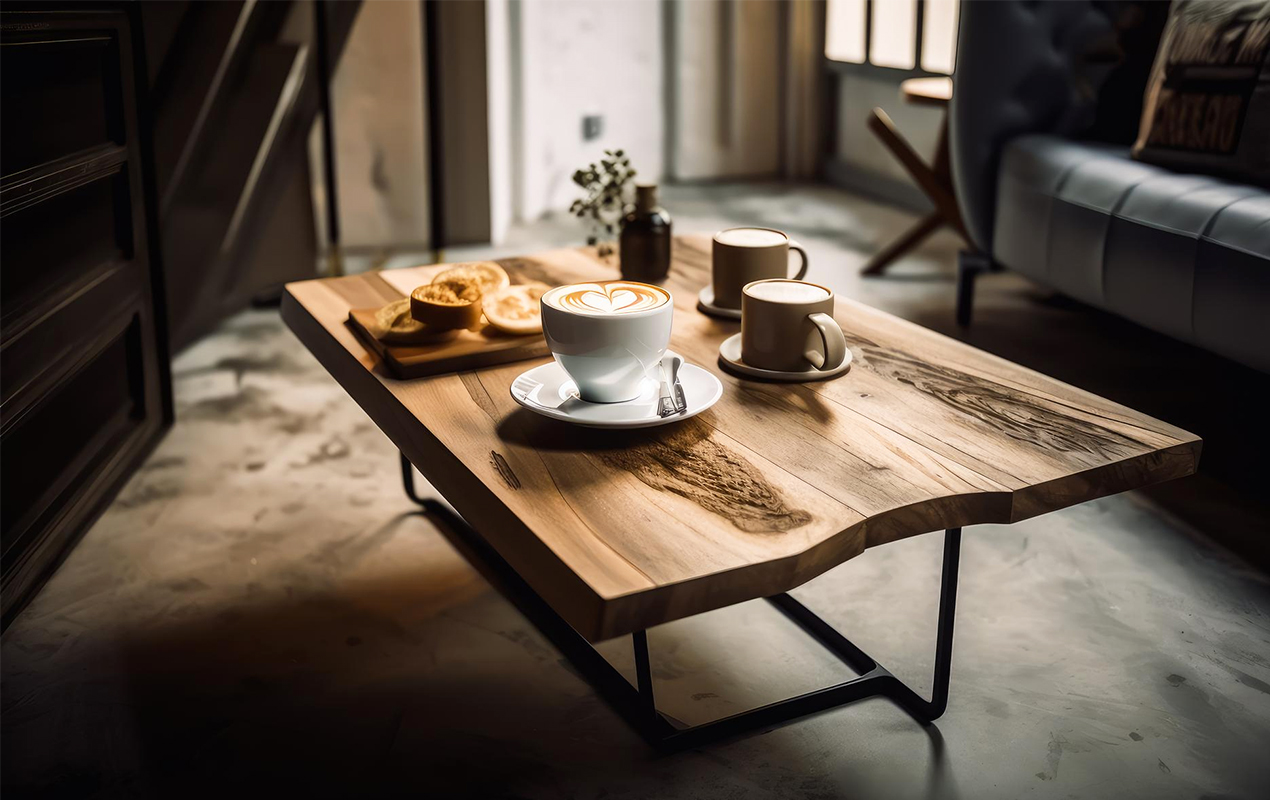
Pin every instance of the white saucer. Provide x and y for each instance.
(705, 304)
(730, 359)
(549, 391)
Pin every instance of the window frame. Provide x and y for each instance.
(868, 68)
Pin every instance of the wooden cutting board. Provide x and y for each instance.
(470, 348)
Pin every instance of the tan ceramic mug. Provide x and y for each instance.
(744, 255)
(787, 325)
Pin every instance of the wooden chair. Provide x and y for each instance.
(935, 180)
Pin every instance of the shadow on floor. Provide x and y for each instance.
(445, 690)
(1220, 400)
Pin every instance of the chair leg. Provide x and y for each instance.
(921, 173)
(911, 238)
(969, 265)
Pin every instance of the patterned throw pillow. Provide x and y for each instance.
(1207, 106)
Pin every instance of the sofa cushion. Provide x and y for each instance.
(1207, 105)
(1056, 200)
(1186, 255)
(1153, 254)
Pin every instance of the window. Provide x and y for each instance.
(893, 34)
(844, 31)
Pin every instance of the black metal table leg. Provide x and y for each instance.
(408, 479)
(947, 612)
(637, 703)
(644, 674)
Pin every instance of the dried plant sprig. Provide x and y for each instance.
(607, 191)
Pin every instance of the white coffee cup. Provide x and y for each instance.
(609, 336)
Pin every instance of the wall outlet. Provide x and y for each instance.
(592, 127)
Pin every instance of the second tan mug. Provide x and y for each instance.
(744, 255)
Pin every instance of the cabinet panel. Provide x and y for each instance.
(84, 380)
(65, 91)
(70, 431)
(51, 245)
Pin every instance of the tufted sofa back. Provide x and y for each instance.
(1022, 67)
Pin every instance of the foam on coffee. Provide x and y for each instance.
(606, 298)
(751, 237)
(787, 292)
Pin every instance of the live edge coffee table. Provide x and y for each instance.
(597, 534)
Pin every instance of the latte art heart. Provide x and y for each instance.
(608, 303)
(614, 297)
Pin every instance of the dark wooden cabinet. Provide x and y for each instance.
(84, 386)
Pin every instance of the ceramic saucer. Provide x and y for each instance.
(548, 390)
(730, 359)
(705, 304)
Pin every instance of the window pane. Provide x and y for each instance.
(939, 36)
(894, 33)
(844, 31)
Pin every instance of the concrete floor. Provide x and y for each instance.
(260, 610)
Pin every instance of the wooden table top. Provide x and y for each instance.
(623, 530)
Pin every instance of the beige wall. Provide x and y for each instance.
(502, 113)
(804, 89)
(381, 157)
(728, 124)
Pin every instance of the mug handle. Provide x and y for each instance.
(833, 345)
(802, 271)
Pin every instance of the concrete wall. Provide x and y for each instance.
(580, 57)
(607, 57)
(549, 63)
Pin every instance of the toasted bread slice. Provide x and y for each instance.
(515, 309)
(488, 276)
(395, 325)
(447, 304)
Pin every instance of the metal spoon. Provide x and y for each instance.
(681, 403)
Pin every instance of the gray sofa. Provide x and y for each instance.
(1185, 255)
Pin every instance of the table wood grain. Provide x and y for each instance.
(623, 530)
